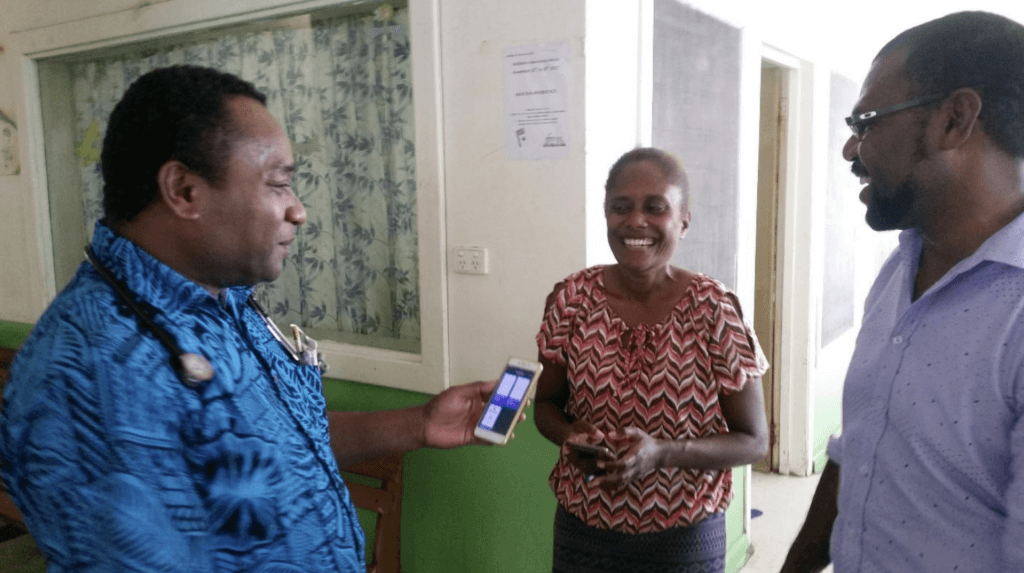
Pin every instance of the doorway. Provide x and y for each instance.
(771, 184)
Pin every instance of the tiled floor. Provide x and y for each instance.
(783, 501)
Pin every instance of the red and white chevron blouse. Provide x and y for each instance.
(664, 379)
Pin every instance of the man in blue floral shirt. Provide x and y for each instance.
(165, 427)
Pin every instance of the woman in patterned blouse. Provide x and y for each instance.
(654, 363)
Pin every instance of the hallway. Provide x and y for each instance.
(783, 501)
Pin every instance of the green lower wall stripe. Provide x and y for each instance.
(736, 556)
(13, 334)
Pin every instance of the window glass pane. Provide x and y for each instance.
(341, 87)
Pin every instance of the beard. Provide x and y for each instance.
(893, 210)
(886, 213)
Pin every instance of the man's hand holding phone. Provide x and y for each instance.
(510, 397)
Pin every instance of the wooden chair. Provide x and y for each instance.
(8, 511)
(386, 501)
(18, 551)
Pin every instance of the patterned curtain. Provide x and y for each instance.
(342, 89)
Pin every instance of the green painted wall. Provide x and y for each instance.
(12, 334)
(738, 541)
(828, 416)
(472, 509)
(827, 385)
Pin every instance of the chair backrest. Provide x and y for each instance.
(386, 501)
(8, 511)
(6, 359)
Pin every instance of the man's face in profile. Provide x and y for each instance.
(253, 215)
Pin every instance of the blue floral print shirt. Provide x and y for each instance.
(119, 466)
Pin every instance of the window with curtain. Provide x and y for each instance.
(342, 88)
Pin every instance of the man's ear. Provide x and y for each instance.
(180, 189)
(686, 224)
(960, 113)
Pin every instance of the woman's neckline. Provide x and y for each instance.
(686, 295)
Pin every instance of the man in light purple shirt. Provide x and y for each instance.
(928, 474)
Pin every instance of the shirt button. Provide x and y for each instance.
(864, 469)
(897, 339)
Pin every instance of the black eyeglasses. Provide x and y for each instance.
(859, 121)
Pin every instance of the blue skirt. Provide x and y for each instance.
(579, 548)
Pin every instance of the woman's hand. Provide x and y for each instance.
(637, 455)
(582, 432)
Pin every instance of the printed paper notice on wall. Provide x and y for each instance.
(537, 101)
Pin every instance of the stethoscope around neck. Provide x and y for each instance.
(194, 369)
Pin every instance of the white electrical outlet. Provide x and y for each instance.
(471, 260)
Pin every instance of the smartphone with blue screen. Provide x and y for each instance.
(501, 413)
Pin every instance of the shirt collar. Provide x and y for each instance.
(1005, 246)
(152, 281)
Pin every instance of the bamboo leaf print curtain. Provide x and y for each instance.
(342, 90)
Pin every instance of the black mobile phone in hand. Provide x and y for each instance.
(501, 413)
(586, 458)
(588, 450)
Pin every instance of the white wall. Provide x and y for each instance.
(528, 214)
(843, 35)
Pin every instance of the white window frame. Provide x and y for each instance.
(41, 37)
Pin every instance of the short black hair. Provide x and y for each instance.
(670, 167)
(979, 50)
(178, 112)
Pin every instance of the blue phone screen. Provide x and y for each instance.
(511, 391)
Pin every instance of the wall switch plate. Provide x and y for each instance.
(471, 260)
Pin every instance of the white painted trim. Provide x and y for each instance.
(425, 39)
(779, 58)
(37, 170)
(746, 216)
(161, 19)
(749, 140)
(795, 292)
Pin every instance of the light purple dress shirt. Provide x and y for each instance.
(932, 449)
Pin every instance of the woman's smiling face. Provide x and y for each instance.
(645, 216)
